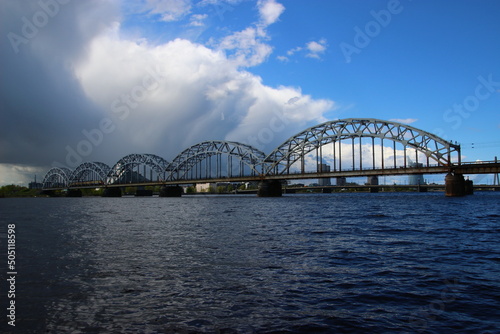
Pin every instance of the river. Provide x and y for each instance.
(315, 263)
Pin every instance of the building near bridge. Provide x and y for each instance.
(324, 181)
(341, 181)
(35, 185)
(416, 179)
(205, 187)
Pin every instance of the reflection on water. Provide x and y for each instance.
(373, 263)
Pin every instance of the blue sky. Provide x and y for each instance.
(220, 69)
(425, 60)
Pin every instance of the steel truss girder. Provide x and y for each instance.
(297, 146)
(278, 162)
(57, 177)
(193, 155)
(99, 169)
(157, 163)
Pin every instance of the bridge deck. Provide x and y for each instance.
(466, 168)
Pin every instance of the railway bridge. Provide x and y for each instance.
(338, 149)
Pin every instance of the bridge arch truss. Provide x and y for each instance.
(89, 173)
(128, 169)
(205, 160)
(57, 177)
(337, 146)
(360, 134)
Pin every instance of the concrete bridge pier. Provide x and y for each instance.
(112, 192)
(171, 191)
(456, 185)
(73, 193)
(50, 193)
(421, 189)
(141, 191)
(373, 181)
(270, 188)
(469, 187)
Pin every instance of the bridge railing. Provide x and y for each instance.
(370, 168)
(479, 162)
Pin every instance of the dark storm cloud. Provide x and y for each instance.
(42, 106)
(74, 88)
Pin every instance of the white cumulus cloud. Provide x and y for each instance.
(270, 11)
(169, 10)
(196, 20)
(313, 49)
(192, 93)
(316, 48)
(247, 47)
(250, 47)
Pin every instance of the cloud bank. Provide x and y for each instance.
(79, 90)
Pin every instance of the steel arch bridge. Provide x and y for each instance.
(339, 143)
(191, 160)
(129, 162)
(90, 173)
(296, 148)
(57, 177)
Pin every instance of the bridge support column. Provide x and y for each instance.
(50, 193)
(270, 188)
(140, 192)
(73, 193)
(454, 185)
(469, 187)
(373, 181)
(421, 189)
(112, 192)
(341, 181)
(171, 191)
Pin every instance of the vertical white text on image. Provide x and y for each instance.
(11, 273)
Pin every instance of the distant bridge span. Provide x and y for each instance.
(341, 148)
(317, 137)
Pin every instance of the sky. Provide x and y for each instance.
(99, 79)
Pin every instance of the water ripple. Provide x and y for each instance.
(298, 264)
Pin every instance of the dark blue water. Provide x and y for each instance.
(329, 263)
